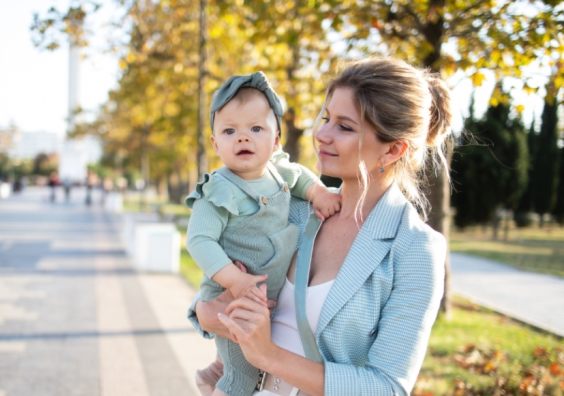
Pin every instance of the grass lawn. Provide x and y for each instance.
(479, 352)
(532, 249)
(189, 270)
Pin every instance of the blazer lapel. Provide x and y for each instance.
(367, 252)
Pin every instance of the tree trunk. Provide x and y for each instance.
(201, 161)
(178, 187)
(506, 224)
(438, 195)
(145, 165)
(293, 135)
(495, 224)
(439, 187)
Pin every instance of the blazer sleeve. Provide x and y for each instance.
(402, 332)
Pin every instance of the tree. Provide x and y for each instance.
(290, 45)
(5, 165)
(545, 174)
(202, 58)
(558, 211)
(44, 164)
(522, 215)
(498, 160)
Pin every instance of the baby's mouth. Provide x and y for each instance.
(244, 152)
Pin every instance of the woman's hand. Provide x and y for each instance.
(248, 320)
(207, 312)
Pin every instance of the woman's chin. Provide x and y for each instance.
(327, 171)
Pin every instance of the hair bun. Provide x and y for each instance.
(441, 114)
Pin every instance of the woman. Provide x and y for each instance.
(376, 271)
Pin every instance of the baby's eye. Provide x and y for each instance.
(229, 131)
(256, 128)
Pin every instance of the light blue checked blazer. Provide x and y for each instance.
(375, 323)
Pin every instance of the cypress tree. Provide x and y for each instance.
(525, 206)
(545, 174)
(558, 211)
(489, 169)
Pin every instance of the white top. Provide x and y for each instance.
(284, 326)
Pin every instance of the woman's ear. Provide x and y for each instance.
(395, 151)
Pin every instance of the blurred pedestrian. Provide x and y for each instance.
(53, 183)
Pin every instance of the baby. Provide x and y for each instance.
(240, 211)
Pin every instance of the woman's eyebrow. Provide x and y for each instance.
(345, 118)
(342, 117)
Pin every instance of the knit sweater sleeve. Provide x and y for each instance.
(204, 231)
(298, 177)
(212, 203)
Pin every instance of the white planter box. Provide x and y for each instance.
(156, 247)
(5, 190)
(114, 202)
(130, 221)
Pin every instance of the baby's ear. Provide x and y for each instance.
(214, 143)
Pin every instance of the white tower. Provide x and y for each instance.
(73, 84)
(73, 159)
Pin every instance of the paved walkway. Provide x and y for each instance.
(532, 298)
(75, 319)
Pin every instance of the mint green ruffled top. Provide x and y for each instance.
(246, 220)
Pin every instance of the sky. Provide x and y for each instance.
(34, 83)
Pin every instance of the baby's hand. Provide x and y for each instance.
(325, 203)
(245, 282)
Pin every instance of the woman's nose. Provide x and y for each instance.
(322, 134)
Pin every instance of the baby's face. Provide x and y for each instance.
(245, 135)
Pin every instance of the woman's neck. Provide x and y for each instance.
(351, 192)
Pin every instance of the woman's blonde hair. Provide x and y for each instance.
(404, 103)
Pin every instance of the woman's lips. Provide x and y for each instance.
(323, 153)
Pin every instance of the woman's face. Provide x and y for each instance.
(343, 140)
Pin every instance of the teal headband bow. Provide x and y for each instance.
(255, 80)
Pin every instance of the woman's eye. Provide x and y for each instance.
(325, 119)
(345, 128)
(229, 131)
(256, 128)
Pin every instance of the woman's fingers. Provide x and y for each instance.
(257, 294)
(234, 328)
(247, 303)
(246, 315)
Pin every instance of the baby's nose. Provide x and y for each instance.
(243, 139)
